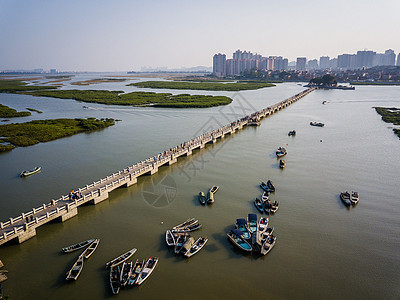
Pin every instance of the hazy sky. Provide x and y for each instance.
(119, 35)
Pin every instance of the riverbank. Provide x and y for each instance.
(207, 86)
(41, 131)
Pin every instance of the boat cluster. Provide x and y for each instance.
(263, 203)
(210, 195)
(349, 199)
(90, 246)
(181, 241)
(279, 153)
(253, 235)
(292, 133)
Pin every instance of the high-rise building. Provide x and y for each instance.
(365, 59)
(219, 65)
(389, 58)
(398, 59)
(53, 71)
(312, 64)
(334, 63)
(324, 62)
(301, 63)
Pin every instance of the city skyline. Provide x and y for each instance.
(126, 35)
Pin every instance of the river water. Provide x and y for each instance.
(323, 250)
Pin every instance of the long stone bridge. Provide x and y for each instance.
(23, 227)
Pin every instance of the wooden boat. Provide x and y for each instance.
(281, 152)
(236, 237)
(1, 292)
(179, 243)
(241, 224)
(210, 198)
(77, 246)
(324, 102)
(196, 247)
(114, 280)
(282, 164)
(26, 173)
(76, 269)
(265, 196)
(188, 222)
(262, 226)
(272, 207)
(268, 244)
(292, 133)
(125, 270)
(345, 197)
(318, 124)
(202, 198)
(270, 186)
(90, 250)
(214, 189)
(354, 198)
(135, 271)
(259, 205)
(187, 245)
(190, 228)
(169, 238)
(252, 223)
(120, 259)
(147, 270)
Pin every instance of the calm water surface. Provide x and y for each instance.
(323, 249)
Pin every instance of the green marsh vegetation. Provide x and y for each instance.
(208, 86)
(14, 86)
(40, 131)
(390, 115)
(8, 112)
(35, 110)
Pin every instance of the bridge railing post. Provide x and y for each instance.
(11, 220)
(1, 225)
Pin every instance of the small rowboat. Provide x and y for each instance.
(120, 259)
(354, 198)
(197, 246)
(77, 246)
(188, 222)
(190, 228)
(268, 244)
(90, 250)
(252, 223)
(125, 272)
(318, 124)
(241, 224)
(26, 173)
(202, 198)
(282, 164)
(169, 238)
(135, 271)
(147, 270)
(114, 280)
(236, 237)
(76, 269)
(345, 197)
(180, 241)
(259, 205)
(214, 189)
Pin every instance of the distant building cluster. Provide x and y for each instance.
(244, 61)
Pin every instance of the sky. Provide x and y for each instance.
(124, 35)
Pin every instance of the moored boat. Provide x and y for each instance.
(114, 280)
(241, 224)
(265, 187)
(262, 226)
(270, 186)
(345, 197)
(187, 245)
(282, 164)
(76, 269)
(120, 259)
(90, 250)
(259, 205)
(318, 124)
(210, 198)
(268, 244)
(147, 270)
(214, 189)
(235, 236)
(190, 228)
(135, 271)
(26, 173)
(77, 246)
(281, 152)
(181, 240)
(202, 198)
(272, 207)
(188, 222)
(265, 196)
(169, 238)
(292, 133)
(125, 272)
(252, 223)
(197, 246)
(354, 198)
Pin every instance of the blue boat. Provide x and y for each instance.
(252, 222)
(236, 237)
(268, 187)
(241, 224)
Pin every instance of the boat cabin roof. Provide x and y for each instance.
(241, 221)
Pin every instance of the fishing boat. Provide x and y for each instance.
(187, 245)
(77, 246)
(179, 243)
(318, 124)
(282, 164)
(214, 189)
(188, 222)
(120, 259)
(26, 173)
(147, 270)
(354, 198)
(210, 198)
(114, 280)
(202, 198)
(265, 196)
(345, 197)
(169, 238)
(76, 269)
(268, 244)
(125, 270)
(241, 224)
(262, 226)
(197, 246)
(135, 271)
(259, 205)
(272, 207)
(252, 223)
(292, 133)
(90, 250)
(236, 237)
(324, 102)
(265, 187)
(190, 228)
(270, 186)
(281, 152)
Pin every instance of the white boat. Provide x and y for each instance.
(77, 246)
(26, 173)
(76, 269)
(114, 280)
(147, 270)
(197, 246)
(135, 271)
(169, 238)
(268, 244)
(125, 272)
(90, 250)
(188, 222)
(187, 245)
(120, 259)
